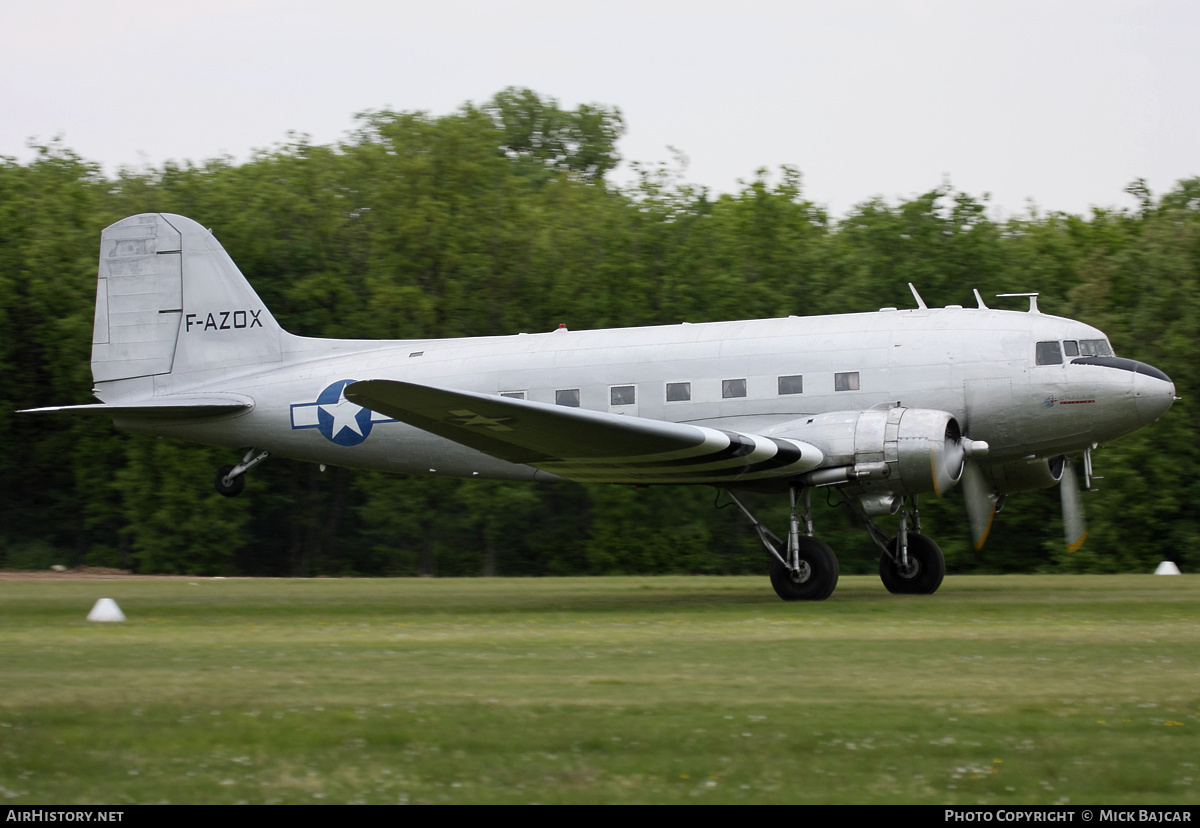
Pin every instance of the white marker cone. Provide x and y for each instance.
(106, 609)
(1167, 568)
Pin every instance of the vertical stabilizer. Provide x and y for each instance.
(170, 301)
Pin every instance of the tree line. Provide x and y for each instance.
(500, 218)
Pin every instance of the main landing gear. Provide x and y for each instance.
(232, 479)
(805, 568)
(919, 572)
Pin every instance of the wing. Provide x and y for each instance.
(586, 445)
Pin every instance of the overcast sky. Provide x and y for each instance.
(1062, 102)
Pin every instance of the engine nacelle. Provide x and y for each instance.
(903, 450)
(1024, 475)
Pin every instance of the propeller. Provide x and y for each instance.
(981, 502)
(1074, 523)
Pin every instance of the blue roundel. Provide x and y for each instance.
(338, 419)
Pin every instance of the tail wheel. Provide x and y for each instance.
(815, 578)
(924, 573)
(234, 487)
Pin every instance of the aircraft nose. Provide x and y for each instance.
(1153, 392)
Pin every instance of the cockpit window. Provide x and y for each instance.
(1048, 353)
(1071, 348)
(1095, 347)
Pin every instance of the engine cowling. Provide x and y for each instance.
(902, 450)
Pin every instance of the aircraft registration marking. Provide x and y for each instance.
(224, 320)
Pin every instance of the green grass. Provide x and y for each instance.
(997, 690)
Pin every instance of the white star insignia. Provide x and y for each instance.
(345, 415)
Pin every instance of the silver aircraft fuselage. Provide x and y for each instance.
(978, 364)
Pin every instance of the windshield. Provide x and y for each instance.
(1049, 353)
(1095, 347)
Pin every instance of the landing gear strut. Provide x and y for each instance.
(807, 570)
(911, 563)
(231, 480)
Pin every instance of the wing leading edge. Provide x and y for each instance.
(583, 445)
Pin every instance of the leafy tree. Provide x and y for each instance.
(543, 139)
(176, 520)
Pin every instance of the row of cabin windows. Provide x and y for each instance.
(682, 391)
(1049, 353)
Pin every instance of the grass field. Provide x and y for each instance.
(997, 690)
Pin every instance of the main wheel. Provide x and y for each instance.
(234, 487)
(816, 577)
(925, 571)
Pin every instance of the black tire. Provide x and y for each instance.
(927, 567)
(235, 486)
(817, 577)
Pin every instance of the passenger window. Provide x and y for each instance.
(568, 397)
(733, 388)
(1071, 348)
(679, 391)
(1048, 353)
(847, 381)
(791, 385)
(514, 395)
(622, 395)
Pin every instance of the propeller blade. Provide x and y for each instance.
(981, 502)
(1074, 523)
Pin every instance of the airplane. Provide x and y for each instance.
(878, 408)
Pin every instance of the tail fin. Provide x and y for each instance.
(170, 301)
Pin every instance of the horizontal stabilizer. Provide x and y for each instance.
(157, 408)
(586, 445)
